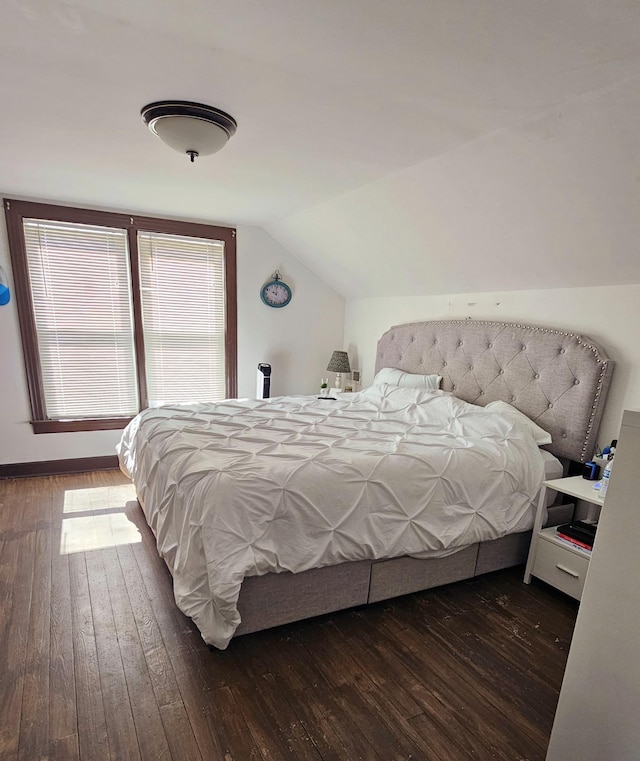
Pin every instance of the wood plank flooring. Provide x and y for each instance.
(97, 663)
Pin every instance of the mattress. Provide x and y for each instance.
(245, 488)
(552, 469)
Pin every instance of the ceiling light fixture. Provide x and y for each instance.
(191, 128)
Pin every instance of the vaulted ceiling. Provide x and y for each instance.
(397, 148)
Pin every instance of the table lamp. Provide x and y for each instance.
(339, 363)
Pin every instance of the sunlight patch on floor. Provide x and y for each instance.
(98, 498)
(99, 521)
(96, 532)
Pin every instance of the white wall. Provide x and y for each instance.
(610, 315)
(597, 716)
(297, 341)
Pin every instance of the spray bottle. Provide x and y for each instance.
(606, 477)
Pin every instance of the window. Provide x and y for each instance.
(181, 283)
(119, 312)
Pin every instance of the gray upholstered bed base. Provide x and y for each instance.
(281, 598)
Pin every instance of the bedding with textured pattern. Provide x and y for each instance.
(248, 487)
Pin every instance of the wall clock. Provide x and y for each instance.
(276, 293)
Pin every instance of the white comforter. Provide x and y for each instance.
(243, 488)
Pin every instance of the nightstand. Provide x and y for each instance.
(551, 559)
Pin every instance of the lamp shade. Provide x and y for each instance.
(339, 362)
(186, 133)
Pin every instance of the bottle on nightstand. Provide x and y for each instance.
(606, 476)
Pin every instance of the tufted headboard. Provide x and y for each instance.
(558, 379)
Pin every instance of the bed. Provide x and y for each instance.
(271, 511)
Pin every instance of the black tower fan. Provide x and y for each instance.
(264, 381)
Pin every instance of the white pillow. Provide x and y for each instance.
(406, 380)
(539, 434)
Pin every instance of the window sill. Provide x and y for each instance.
(72, 426)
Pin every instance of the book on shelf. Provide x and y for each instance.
(574, 542)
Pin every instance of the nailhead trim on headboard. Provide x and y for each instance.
(479, 362)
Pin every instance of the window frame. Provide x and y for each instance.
(16, 211)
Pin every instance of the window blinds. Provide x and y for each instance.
(182, 282)
(80, 286)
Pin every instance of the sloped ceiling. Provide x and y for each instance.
(397, 148)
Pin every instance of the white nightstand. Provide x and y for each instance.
(550, 559)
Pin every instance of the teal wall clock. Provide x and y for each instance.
(276, 293)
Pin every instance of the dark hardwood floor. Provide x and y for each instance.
(96, 662)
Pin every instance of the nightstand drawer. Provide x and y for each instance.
(560, 567)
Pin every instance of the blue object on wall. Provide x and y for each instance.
(5, 294)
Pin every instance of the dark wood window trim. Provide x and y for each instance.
(17, 211)
(81, 424)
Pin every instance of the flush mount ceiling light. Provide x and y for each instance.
(191, 128)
